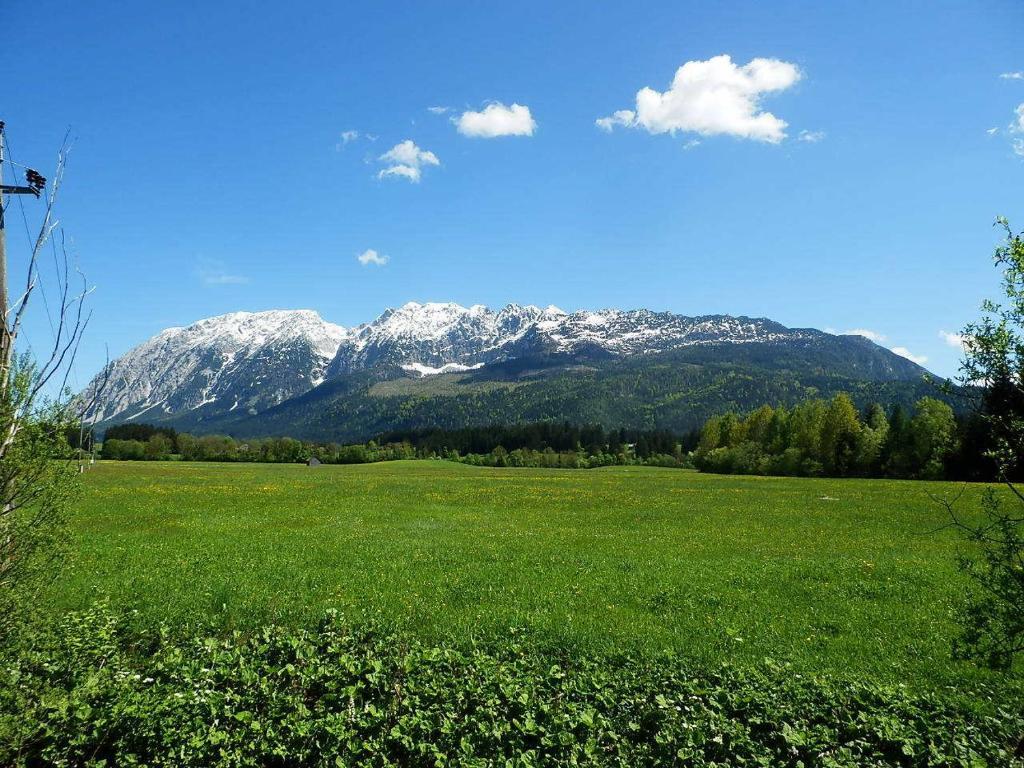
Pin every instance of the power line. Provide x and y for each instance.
(34, 186)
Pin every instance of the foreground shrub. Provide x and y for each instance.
(93, 693)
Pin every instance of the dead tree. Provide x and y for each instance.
(36, 409)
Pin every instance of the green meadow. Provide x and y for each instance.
(840, 577)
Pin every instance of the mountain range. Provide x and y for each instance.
(289, 372)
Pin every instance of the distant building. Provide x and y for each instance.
(313, 462)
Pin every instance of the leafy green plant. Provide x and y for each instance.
(92, 692)
(38, 483)
(993, 618)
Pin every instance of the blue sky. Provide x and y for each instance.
(210, 172)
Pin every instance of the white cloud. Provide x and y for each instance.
(623, 117)
(406, 160)
(214, 273)
(692, 144)
(713, 97)
(812, 137)
(438, 110)
(880, 338)
(1017, 126)
(497, 120)
(345, 138)
(404, 171)
(904, 352)
(956, 340)
(370, 256)
(874, 336)
(1012, 76)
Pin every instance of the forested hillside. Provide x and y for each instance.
(443, 365)
(676, 392)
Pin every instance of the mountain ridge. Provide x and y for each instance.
(232, 368)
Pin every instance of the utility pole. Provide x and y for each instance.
(35, 188)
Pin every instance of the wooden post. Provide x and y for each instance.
(35, 188)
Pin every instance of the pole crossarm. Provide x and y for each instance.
(8, 189)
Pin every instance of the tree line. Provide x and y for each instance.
(541, 444)
(592, 439)
(165, 444)
(832, 438)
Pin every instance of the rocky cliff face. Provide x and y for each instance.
(246, 360)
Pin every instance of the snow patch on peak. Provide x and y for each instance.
(252, 360)
(420, 321)
(426, 370)
(257, 328)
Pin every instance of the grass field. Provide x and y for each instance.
(844, 577)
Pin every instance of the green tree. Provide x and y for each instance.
(710, 435)
(36, 491)
(731, 430)
(806, 422)
(993, 618)
(158, 447)
(840, 431)
(188, 447)
(758, 425)
(779, 432)
(123, 450)
(932, 437)
(897, 457)
(500, 456)
(871, 441)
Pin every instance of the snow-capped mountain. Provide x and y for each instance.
(247, 360)
(433, 336)
(429, 338)
(253, 361)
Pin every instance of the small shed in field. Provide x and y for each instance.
(313, 462)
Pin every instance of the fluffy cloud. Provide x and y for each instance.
(497, 120)
(812, 137)
(406, 160)
(1017, 126)
(623, 117)
(957, 340)
(1012, 76)
(875, 336)
(713, 97)
(904, 352)
(370, 256)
